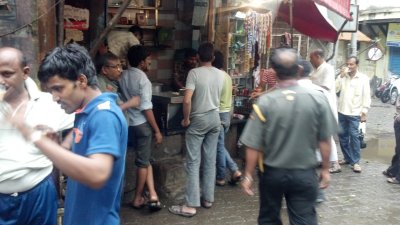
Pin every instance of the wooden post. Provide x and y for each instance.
(46, 27)
(60, 24)
(110, 25)
(211, 21)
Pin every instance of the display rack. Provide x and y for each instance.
(142, 13)
(242, 34)
(237, 43)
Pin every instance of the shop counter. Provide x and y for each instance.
(168, 112)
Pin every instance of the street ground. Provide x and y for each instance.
(352, 199)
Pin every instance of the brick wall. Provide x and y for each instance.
(181, 37)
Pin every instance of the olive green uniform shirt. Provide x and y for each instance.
(287, 124)
(106, 85)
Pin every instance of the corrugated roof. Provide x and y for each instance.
(346, 36)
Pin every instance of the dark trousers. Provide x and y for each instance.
(37, 206)
(299, 187)
(394, 168)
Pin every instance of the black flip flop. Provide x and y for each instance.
(154, 205)
(137, 207)
(235, 180)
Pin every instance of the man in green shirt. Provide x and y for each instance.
(224, 160)
(286, 127)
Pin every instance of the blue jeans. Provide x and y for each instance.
(201, 143)
(37, 206)
(223, 157)
(349, 138)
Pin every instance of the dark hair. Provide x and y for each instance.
(68, 62)
(285, 63)
(307, 68)
(218, 61)
(355, 58)
(136, 28)
(136, 54)
(206, 52)
(23, 60)
(190, 52)
(103, 60)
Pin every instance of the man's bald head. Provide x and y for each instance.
(285, 63)
(11, 54)
(318, 52)
(317, 57)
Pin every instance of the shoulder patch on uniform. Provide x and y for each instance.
(289, 97)
(258, 112)
(286, 92)
(104, 105)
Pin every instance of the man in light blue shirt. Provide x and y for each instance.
(142, 124)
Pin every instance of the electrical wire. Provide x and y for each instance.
(33, 21)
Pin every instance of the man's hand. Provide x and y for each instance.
(344, 71)
(325, 178)
(246, 185)
(363, 117)
(256, 92)
(185, 122)
(48, 132)
(133, 102)
(159, 137)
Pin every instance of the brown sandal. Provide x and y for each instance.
(178, 210)
(220, 182)
(335, 168)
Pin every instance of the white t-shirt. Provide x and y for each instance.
(22, 165)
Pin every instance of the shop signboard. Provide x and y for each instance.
(341, 7)
(200, 13)
(338, 21)
(393, 35)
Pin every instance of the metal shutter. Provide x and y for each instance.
(394, 60)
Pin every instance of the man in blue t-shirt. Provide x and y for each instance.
(95, 166)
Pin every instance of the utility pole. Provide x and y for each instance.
(353, 43)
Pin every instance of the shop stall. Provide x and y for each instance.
(243, 34)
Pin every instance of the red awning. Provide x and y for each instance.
(308, 20)
(341, 7)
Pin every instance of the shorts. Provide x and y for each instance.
(141, 137)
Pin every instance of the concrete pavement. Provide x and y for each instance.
(352, 199)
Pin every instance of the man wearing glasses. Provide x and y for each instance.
(109, 70)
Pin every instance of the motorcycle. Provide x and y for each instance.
(379, 90)
(387, 86)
